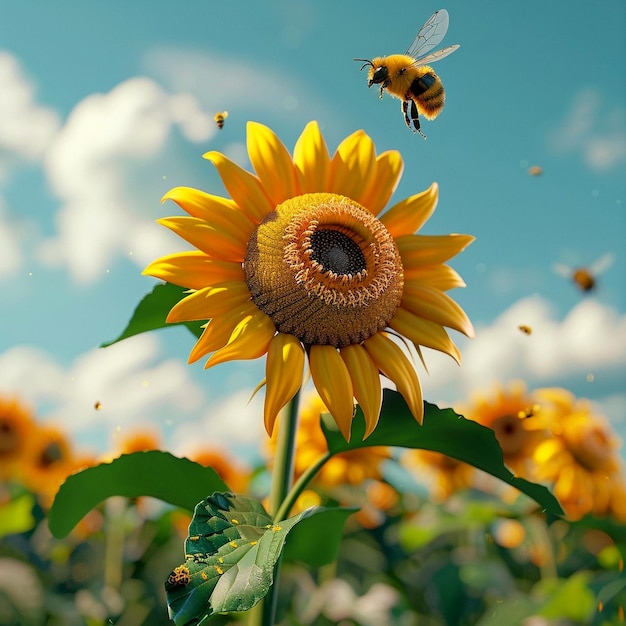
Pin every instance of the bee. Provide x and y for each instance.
(219, 118)
(535, 170)
(586, 278)
(97, 405)
(527, 330)
(409, 77)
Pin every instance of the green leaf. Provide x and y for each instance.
(315, 540)
(180, 482)
(570, 598)
(443, 431)
(230, 555)
(151, 312)
(16, 516)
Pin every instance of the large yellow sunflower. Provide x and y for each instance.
(16, 428)
(299, 261)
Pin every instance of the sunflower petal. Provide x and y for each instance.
(332, 381)
(272, 163)
(424, 333)
(365, 382)
(433, 305)
(392, 362)
(199, 203)
(383, 182)
(209, 302)
(193, 270)
(353, 165)
(225, 243)
(436, 276)
(218, 331)
(243, 187)
(312, 160)
(409, 215)
(283, 373)
(417, 250)
(249, 340)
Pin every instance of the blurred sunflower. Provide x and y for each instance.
(16, 428)
(349, 468)
(581, 458)
(517, 420)
(50, 460)
(236, 476)
(447, 474)
(297, 262)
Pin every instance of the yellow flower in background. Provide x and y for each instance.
(581, 458)
(236, 476)
(16, 428)
(446, 474)
(517, 420)
(349, 468)
(299, 261)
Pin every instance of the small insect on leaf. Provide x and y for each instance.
(179, 577)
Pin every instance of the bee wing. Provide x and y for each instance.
(603, 263)
(430, 34)
(436, 56)
(562, 269)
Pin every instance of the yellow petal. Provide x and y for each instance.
(410, 214)
(417, 250)
(437, 276)
(312, 160)
(210, 302)
(353, 165)
(242, 186)
(218, 331)
(332, 381)
(199, 203)
(272, 163)
(365, 382)
(424, 333)
(219, 242)
(393, 363)
(283, 373)
(194, 270)
(383, 183)
(249, 340)
(433, 305)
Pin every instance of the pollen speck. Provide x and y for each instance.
(232, 544)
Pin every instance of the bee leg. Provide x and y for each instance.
(415, 119)
(383, 86)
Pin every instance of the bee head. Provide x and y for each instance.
(380, 75)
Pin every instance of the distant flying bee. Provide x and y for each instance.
(586, 278)
(97, 405)
(219, 119)
(409, 78)
(535, 170)
(527, 330)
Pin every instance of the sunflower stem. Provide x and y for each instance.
(282, 478)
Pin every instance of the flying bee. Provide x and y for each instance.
(586, 278)
(527, 330)
(409, 77)
(220, 118)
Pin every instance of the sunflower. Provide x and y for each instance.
(581, 458)
(517, 420)
(299, 262)
(348, 468)
(16, 428)
(447, 474)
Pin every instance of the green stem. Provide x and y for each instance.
(300, 486)
(282, 478)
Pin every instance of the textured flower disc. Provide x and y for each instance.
(325, 270)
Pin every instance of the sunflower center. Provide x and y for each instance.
(9, 437)
(510, 434)
(325, 270)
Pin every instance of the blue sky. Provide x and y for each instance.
(104, 106)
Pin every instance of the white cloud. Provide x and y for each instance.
(225, 83)
(94, 166)
(128, 380)
(26, 128)
(591, 340)
(597, 134)
(11, 257)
